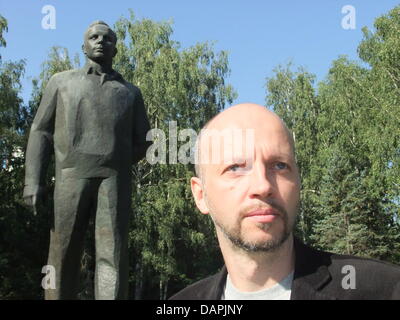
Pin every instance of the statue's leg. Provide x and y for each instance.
(112, 225)
(71, 216)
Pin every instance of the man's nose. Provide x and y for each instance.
(100, 39)
(262, 184)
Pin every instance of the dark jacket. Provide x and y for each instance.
(318, 276)
(97, 126)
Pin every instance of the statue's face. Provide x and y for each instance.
(99, 44)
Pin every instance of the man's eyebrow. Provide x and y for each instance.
(280, 156)
(283, 157)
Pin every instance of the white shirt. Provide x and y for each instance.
(280, 291)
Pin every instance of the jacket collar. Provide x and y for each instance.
(310, 276)
(91, 68)
(311, 273)
(218, 285)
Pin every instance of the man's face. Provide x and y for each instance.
(99, 44)
(253, 199)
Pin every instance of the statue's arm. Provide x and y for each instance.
(40, 144)
(142, 126)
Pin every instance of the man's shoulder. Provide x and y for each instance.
(60, 77)
(338, 263)
(366, 268)
(354, 277)
(131, 86)
(68, 73)
(335, 261)
(209, 288)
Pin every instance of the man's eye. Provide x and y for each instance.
(280, 166)
(234, 168)
(93, 37)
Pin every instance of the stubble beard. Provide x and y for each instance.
(235, 236)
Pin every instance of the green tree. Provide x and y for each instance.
(23, 237)
(349, 116)
(3, 28)
(350, 158)
(292, 96)
(20, 253)
(380, 49)
(172, 245)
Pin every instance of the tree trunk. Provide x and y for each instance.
(139, 281)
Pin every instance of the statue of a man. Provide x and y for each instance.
(96, 124)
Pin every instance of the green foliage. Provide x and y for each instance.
(3, 27)
(346, 132)
(24, 238)
(22, 245)
(171, 245)
(347, 140)
(58, 60)
(186, 86)
(292, 96)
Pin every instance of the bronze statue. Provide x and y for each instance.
(96, 124)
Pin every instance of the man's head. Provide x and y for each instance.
(100, 42)
(249, 184)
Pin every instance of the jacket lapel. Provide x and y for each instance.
(216, 285)
(310, 277)
(311, 273)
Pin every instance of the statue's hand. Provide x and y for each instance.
(33, 195)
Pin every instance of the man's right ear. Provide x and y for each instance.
(198, 194)
(83, 49)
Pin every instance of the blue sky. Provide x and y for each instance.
(258, 34)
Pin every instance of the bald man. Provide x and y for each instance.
(249, 183)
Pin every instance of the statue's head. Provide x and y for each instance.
(100, 42)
